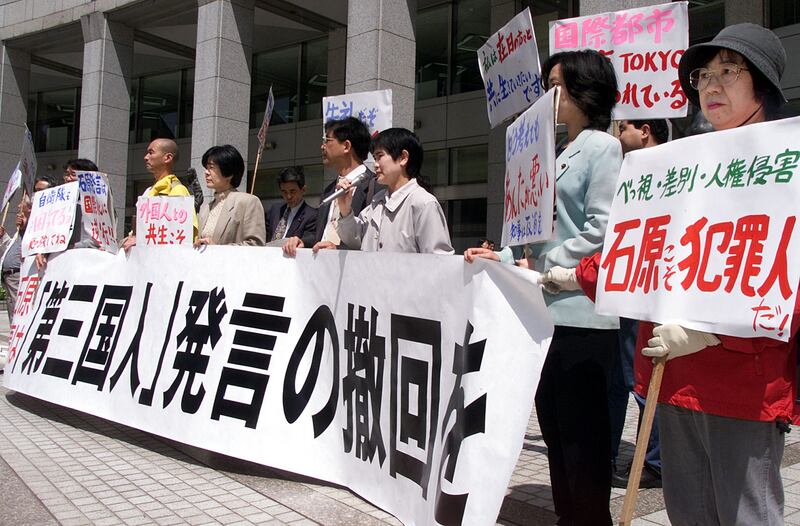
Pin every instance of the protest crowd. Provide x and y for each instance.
(717, 441)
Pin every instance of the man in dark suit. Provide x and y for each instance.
(344, 148)
(294, 217)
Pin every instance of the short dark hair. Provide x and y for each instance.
(353, 130)
(590, 82)
(81, 165)
(394, 140)
(764, 90)
(51, 179)
(228, 160)
(658, 127)
(292, 174)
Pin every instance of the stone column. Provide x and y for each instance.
(222, 79)
(381, 52)
(739, 12)
(105, 102)
(15, 69)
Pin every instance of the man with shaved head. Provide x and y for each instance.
(159, 160)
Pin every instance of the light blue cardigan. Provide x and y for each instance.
(586, 176)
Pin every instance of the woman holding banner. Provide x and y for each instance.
(233, 217)
(572, 397)
(725, 403)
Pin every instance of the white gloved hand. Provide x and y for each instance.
(673, 341)
(559, 279)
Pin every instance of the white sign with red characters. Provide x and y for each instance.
(97, 210)
(52, 218)
(708, 240)
(509, 64)
(164, 220)
(530, 184)
(645, 46)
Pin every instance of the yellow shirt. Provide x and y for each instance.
(170, 186)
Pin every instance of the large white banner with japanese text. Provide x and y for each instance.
(645, 46)
(509, 65)
(530, 185)
(703, 232)
(408, 378)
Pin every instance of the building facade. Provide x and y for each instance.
(101, 78)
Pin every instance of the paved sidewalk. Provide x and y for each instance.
(60, 466)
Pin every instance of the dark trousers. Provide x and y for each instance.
(572, 407)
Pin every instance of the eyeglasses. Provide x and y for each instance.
(726, 75)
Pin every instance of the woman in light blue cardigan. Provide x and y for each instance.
(572, 398)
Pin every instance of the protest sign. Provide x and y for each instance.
(645, 46)
(373, 108)
(27, 162)
(509, 64)
(262, 132)
(702, 233)
(419, 406)
(52, 219)
(97, 210)
(529, 191)
(14, 182)
(164, 220)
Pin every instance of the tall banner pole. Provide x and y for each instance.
(262, 135)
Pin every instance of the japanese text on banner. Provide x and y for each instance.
(529, 190)
(52, 220)
(645, 46)
(97, 210)
(348, 384)
(709, 240)
(509, 65)
(373, 108)
(164, 220)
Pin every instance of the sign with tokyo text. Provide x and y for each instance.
(703, 232)
(509, 64)
(529, 191)
(645, 46)
(97, 210)
(14, 182)
(52, 219)
(421, 407)
(373, 108)
(164, 220)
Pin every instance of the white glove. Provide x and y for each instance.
(558, 279)
(673, 341)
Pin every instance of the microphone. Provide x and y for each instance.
(338, 193)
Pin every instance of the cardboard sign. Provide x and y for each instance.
(164, 220)
(52, 219)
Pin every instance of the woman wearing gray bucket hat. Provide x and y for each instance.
(723, 412)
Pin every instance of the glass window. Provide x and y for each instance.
(706, 19)
(545, 11)
(313, 78)
(158, 106)
(187, 103)
(466, 219)
(434, 167)
(783, 13)
(471, 32)
(54, 120)
(432, 52)
(278, 68)
(469, 164)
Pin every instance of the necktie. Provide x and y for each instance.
(282, 224)
(330, 233)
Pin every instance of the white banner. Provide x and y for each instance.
(373, 108)
(645, 46)
(702, 232)
(164, 220)
(509, 64)
(14, 182)
(97, 210)
(530, 175)
(408, 378)
(52, 219)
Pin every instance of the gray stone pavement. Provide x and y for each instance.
(60, 466)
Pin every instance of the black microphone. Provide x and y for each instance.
(357, 179)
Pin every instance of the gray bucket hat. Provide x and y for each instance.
(760, 46)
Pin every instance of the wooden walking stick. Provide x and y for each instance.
(631, 492)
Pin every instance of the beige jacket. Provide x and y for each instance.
(241, 220)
